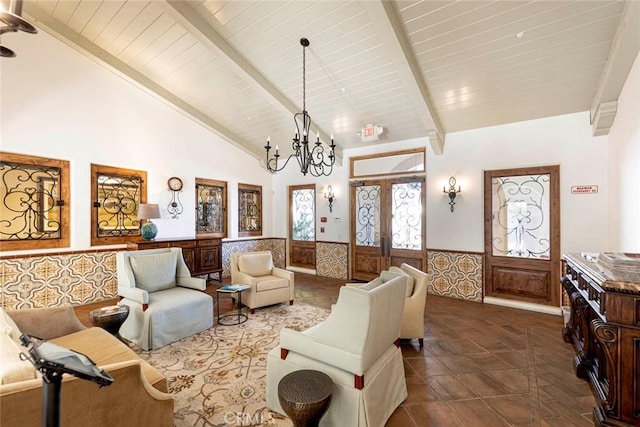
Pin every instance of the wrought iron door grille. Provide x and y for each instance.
(250, 216)
(210, 209)
(367, 231)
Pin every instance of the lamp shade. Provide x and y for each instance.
(148, 211)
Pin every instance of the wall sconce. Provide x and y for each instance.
(328, 194)
(451, 192)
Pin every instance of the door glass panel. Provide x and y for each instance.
(406, 226)
(367, 227)
(520, 216)
(303, 214)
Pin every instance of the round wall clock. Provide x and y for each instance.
(175, 183)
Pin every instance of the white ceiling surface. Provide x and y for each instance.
(410, 66)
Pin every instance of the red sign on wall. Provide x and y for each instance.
(584, 189)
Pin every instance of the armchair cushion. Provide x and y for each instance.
(268, 283)
(154, 272)
(256, 264)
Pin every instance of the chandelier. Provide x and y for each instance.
(310, 158)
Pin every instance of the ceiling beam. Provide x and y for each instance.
(624, 50)
(389, 28)
(104, 58)
(188, 18)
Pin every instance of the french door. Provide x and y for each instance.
(387, 225)
(522, 234)
(302, 226)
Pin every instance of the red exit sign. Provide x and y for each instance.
(369, 132)
(584, 189)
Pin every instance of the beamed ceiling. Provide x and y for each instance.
(420, 69)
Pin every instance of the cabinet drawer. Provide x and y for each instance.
(184, 244)
(208, 243)
(209, 259)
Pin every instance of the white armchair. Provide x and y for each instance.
(166, 303)
(358, 347)
(414, 305)
(269, 284)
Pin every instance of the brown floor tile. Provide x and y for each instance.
(477, 413)
(419, 391)
(428, 366)
(401, 418)
(449, 387)
(434, 414)
(516, 409)
(459, 364)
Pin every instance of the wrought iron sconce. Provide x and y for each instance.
(452, 192)
(328, 194)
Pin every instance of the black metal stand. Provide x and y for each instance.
(52, 364)
(51, 398)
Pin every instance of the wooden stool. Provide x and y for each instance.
(305, 396)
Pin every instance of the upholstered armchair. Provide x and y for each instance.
(166, 303)
(358, 347)
(414, 305)
(269, 284)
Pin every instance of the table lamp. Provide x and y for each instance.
(149, 211)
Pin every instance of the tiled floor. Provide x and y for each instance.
(481, 365)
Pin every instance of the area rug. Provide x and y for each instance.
(218, 377)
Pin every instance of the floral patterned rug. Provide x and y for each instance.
(218, 377)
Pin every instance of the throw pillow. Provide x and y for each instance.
(12, 369)
(410, 280)
(154, 272)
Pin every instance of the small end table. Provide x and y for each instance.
(305, 396)
(231, 318)
(110, 318)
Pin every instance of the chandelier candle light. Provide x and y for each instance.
(311, 160)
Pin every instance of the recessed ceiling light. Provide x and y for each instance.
(343, 90)
(520, 35)
(248, 118)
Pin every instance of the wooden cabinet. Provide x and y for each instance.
(202, 255)
(604, 329)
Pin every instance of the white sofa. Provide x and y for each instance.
(358, 347)
(166, 303)
(269, 284)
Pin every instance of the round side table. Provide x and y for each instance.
(110, 318)
(305, 396)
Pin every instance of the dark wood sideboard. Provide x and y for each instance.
(202, 255)
(604, 329)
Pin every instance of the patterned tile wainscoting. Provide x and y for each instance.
(455, 274)
(78, 278)
(277, 246)
(57, 279)
(332, 260)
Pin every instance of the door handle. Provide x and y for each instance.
(383, 246)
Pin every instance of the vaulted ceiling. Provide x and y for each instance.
(417, 68)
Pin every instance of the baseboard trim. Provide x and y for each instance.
(546, 309)
(301, 270)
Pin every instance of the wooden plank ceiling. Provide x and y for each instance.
(409, 66)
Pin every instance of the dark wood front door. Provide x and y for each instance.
(388, 225)
(522, 234)
(302, 227)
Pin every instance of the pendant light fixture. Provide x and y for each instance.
(311, 159)
(12, 21)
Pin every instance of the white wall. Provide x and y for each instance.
(55, 102)
(624, 167)
(562, 140)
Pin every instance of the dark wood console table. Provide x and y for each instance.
(604, 329)
(202, 255)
